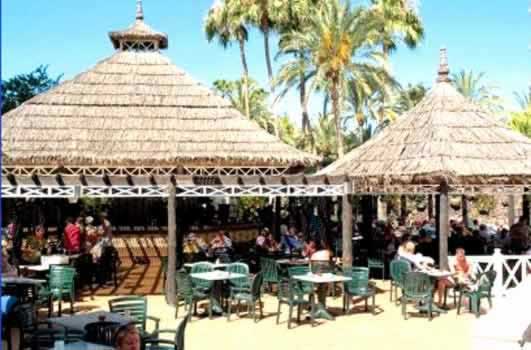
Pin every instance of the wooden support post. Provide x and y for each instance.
(444, 226)
(403, 208)
(346, 225)
(172, 245)
(525, 205)
(429, 198)
(464, 208)
(276, 218)
(511, 209)
(382, 209)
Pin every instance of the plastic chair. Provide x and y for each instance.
(200, 284)
(239, 283)
(164, 344)
(60, 284)
(358, 287)
(417, 287)
(188, 294)
(291, 293)
(251, 297)
(377, 263)
(398, 270)
(270, 271)
(101, 332)
(484, 290)
(307, 287)
(134, 307)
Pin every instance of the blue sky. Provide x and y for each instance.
(483, 35)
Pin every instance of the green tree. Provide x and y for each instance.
(22, 87)
(471, 85)
(227, 24)
(399, 22)
(235, 91)
(335, 37)
(409, 97)
(524, 99)
(521, 122)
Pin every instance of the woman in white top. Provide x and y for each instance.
(322, 253)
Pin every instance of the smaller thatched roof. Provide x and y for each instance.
(139, 31)
(445, 137)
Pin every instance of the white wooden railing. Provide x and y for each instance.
(511, 270)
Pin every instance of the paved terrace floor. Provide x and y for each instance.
(358, 330)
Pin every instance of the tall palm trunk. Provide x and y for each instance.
(306, 127)
(267, 50)
(245, 78)
(337, 113)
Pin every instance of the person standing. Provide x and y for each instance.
(72, 237)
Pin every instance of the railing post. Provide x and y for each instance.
(497, 265)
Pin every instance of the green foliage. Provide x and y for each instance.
(94, 205)
(485, 202)
(248, 206)
(521, 122)
(22, 87)
(471, 85)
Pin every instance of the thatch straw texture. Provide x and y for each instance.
(138, 109)
(445, 137)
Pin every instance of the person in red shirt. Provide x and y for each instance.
(72, 238)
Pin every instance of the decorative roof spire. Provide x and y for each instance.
(139, 11)
(444, 71)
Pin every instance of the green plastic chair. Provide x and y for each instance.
(358, 287)
(398, 270)
(188, 294)
(155, 343)
(307, 287)
(136, 308)
(60, 285)
(291, 293)
(270, 271)
(239, 283)
(200, 284)
(484, 290)
(377, 263)
(251, 297)
(417, 287)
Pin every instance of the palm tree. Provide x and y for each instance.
(237, 91)
(335, 37)
(399, 22)
(471, 86)
(227, 24)
(409, 98)
(524, 99)
(521, 122)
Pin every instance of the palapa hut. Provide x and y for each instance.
(137, 116)
(445, 144)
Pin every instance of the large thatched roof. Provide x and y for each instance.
(445, 137)
(136, 108)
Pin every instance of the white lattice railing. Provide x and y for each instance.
(511, 270)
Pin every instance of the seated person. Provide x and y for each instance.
(322, 252)
(191, 245)
(7, 268)
(417, 261)
(462, 275)
(34, 246)
(289, 240)
(309, 248)
(127, 338)
(261, 239)
(271, 243)
(221, 246)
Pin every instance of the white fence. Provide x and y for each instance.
(511, 270)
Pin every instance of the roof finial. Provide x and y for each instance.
(139, 11)
(444, 70)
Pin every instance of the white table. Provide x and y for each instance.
(319, 310)
(215, 266)
(217, 276)
(36, 268)
(82, 345)
(79, 321)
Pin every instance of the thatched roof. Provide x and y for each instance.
(136, 108)
(445, 137)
